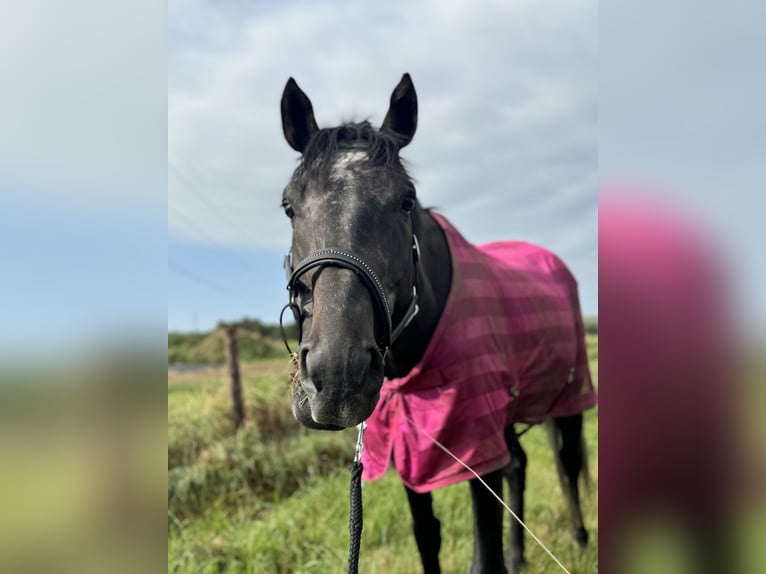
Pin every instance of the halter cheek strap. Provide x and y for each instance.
(413, 308)
(347, 260)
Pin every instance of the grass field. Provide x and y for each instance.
(274, 497)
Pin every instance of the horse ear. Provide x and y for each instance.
(298, 123)
(402, 116)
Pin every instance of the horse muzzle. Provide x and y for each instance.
(337, 390)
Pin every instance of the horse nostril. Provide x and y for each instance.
(312, 383)
(304, 351)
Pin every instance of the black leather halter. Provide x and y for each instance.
(347, 260)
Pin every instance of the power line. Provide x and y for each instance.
(190, 224)
(191, 186)
(198, 230)
(204, 281)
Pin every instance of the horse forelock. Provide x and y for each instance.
(382, 147)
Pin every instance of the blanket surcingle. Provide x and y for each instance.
(509, 348)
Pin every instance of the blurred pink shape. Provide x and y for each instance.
(666, 384)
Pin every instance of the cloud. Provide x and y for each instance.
(506, 142)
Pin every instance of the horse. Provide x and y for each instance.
(372, 275)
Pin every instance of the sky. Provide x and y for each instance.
(142, 159)
(83, 116)
(681, 121)
(506, 145)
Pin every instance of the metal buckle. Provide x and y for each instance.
(359, 441)
(288, 265)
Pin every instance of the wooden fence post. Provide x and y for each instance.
(232, 363)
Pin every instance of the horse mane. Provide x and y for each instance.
(382, 146)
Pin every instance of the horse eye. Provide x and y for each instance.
(408, 203)
(289, 211)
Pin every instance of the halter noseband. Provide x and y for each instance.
(347, 260)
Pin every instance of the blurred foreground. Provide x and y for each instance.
(82, 485)
(681, 399)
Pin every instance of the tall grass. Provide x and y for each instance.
(274, 496)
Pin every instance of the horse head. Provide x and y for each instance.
(352, 269)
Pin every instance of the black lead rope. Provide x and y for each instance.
(355, 515)
(355, 518)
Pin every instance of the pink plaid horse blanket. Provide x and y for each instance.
(509, 348)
